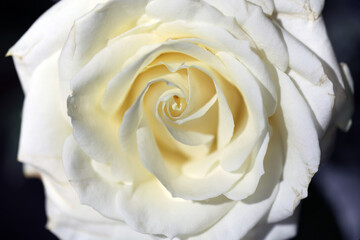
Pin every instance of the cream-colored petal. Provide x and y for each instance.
(229, 8)
(312, 33)
(200, 92)
(248, 184)
(131, 121)
(285, 229)
(201, 89)
(96, 133)
(310, 77)
(93, 77)
(46, 36)
(120, 84)
(225, 118)
(301, 145)
(199, 113)
(175, 152)
(64, 197)
(186, 9)
(177, 183)
(218, 39)
(266, 36)
(266, 5)
(242, 144)
(300, 8)
(193, 12)
(145, 216)
(247, 213)
(88, 119)
(226, 122)
(303, 61)
(319, 97)
(190, 138)
(44, 127)
(91, 188)
(91, 33)
(68, 219)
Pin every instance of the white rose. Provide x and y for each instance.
(185, 119)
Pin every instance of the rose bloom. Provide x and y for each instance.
(178, 119)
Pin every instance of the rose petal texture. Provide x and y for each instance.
(178, 119)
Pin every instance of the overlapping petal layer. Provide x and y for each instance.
(189, 119)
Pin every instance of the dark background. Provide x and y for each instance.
(332, 210)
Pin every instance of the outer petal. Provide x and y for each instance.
(313, 34)
(247, 213)
(159, 214)
(286, 229)
(177, 184)
(255, 24)
(70, 220)
(302, 8)
(310, 77)
(229, 8)
(265, 35)
(266, 5)
(192, 12)
(301, 144)
(46, 36)
(107, 20)
(87, 117)
(44, 127)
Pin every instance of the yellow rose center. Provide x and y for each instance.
(176, 106)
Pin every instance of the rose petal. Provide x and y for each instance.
(266, 5)
(266, 36)
(144, 216)
(285, 229)
(308, 9)
(229, 8)
(218, 39)
(225, 118)
(233, 157)
(46, 36)
(313, 34)
(44, 127)
(68, 219)
(178, 184)
(319, 97)
(84, 109)
(82, 44)
(132, 119)
(250, 211)
(116, 88)
(91, 189)
(193, 12)
(248, 184)
(311, 79)
(301, 146)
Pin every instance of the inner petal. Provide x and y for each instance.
(173, 151)
(159, 72)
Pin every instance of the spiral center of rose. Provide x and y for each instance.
(176, 106)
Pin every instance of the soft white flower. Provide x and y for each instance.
(180, 119)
